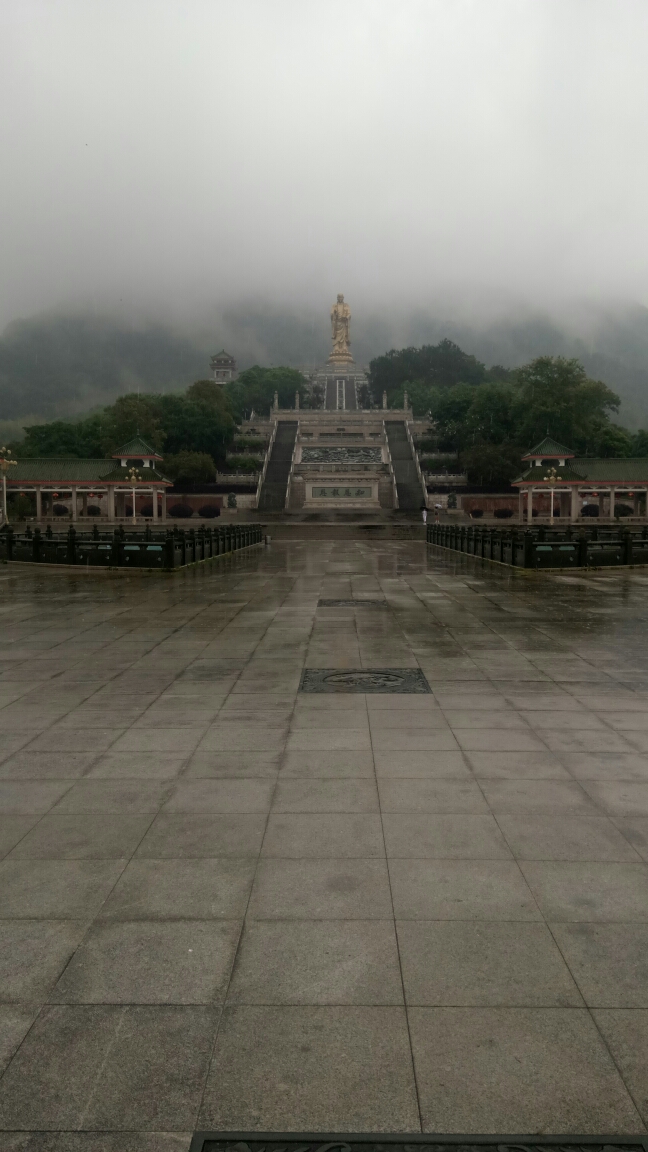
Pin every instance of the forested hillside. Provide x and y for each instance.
(62, 366)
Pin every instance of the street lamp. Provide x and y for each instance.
(133, 477)
(551, 477)
(5, 464)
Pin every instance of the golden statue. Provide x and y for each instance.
(340, 319)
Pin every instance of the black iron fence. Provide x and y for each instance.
(147, 548)
(545, 547)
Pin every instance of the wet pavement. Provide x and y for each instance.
(228, 904)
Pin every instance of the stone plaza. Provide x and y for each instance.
(413, 898)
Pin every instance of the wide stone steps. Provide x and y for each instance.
(410, 495)
(273, 489)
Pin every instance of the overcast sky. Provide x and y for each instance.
(168, 156)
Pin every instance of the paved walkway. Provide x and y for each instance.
(226, 904)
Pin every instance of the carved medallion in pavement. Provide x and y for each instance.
(393, 680)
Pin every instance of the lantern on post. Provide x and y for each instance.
(133, 477)
(551, 477)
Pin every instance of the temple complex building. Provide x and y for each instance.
(574, 483)
(223, 367)
(105, 484)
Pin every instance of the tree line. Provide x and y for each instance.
(489, 417)
(192, 431)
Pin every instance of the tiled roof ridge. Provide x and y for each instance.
(132, 448)
(549, 447)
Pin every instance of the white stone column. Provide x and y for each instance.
(574, 504)
(155, 507)
(74, 502)
(529, 506)
(39, 504)
(111, 503)
(612, 496)
(164, 498)
(520, 506)
(84, 504)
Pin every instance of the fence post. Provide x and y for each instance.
(36, 545)
(528, 549)
(169, 550)
(582, 549)
(9, 541)
(627, 546)
(115, 551)
(71, 545)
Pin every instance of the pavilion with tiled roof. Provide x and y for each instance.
(56, 477)
(573, 481)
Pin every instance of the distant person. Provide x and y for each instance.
(424, 515)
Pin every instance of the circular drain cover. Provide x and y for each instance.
(370, 679)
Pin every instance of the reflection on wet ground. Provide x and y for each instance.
(228, 904)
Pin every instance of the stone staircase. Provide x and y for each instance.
(410, 494)
(273, 489)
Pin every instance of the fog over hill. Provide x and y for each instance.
(57, 366)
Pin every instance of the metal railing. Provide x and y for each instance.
(416, 462)
(174, 548)
(265, 462)
(292, 469)
(544, 548)
(391, 470)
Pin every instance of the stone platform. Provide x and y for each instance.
(230, 905)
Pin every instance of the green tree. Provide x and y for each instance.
(449, 409)
(190, 468)
(199, 421)
(607, 439)
(556, 396)
(255, 389)
(196, 425)
(441, 365)
(81, 438)
(640, 443)
(133, 415)
(491, 465)
(490, 416)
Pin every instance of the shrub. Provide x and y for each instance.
(20, 506)
(231, 500)
(146, 510)
(476, 513)
(503, 513)
(94, 510)
(623, 510)
(209, 511)
(180, 511)
(243, 464)
(190, 468)
(247, 444)
(590, 510)
(60, 510)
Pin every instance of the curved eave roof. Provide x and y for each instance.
(537, 476)
(585, 470)
(549, 448)
(73, 470)
(136, 449)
